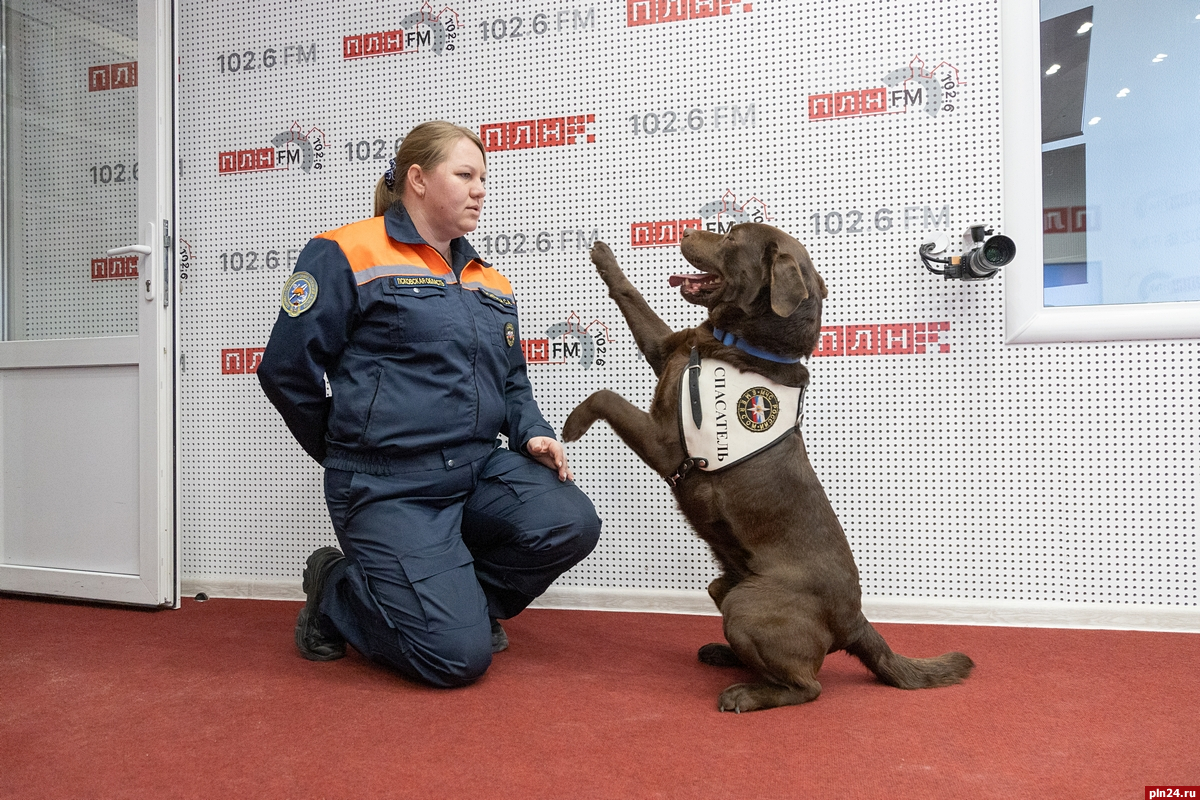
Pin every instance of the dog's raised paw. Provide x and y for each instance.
(577, 425)
(718, 655)
(602, 256)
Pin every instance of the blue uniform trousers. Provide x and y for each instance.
(432, 555)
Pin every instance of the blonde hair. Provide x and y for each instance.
(426, 145)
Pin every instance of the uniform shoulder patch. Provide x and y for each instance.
(299, 293)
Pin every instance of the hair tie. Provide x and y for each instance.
(389, 177)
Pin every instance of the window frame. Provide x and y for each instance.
(1027, 319)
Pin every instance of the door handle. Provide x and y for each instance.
(143, 251)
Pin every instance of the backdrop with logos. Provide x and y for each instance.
(963, 470)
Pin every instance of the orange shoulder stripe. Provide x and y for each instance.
(476, 276)
(373, 254)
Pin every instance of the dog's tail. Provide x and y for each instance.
(903, 672)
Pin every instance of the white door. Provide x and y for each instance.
(86, 378)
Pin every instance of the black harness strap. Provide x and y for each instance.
(694, 384)
(686, 467)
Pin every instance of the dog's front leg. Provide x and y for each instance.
(649, 331)
(635, 427)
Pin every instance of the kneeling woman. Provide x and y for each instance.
(442, 532)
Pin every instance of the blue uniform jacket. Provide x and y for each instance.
(425, 366)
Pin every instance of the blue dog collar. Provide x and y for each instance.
(730, 340)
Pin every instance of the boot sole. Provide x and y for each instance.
(335, 652)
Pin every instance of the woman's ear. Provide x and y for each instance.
(416, 179)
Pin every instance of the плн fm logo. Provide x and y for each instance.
(185, 258)
(939, 86)
(570, 340)
(241, 360)
(654, 12)
(907, 88)
(300, 147)
(419, 31)
(529, 133)
(721, 215)
(717, 216)
(112, 76)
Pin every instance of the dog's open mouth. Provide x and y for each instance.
(696, 284)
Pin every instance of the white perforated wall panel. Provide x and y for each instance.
(961, 468)
(71, 171)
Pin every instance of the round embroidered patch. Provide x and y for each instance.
(299, 293)
(510, 333)
(758, 408)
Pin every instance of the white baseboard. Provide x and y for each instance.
(657, 601)
(922, 610)
(241, 588)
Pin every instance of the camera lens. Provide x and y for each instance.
(998, 251)
(984, 260)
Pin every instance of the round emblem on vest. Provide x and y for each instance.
(510, 333)
(299, 293)
(758, 408)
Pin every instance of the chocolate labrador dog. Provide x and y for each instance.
(789, 591)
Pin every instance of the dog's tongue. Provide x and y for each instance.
(679, 280)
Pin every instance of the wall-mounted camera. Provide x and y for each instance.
(983, 255)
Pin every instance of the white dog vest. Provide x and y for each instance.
(726, 415)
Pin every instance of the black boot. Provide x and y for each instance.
(312, 639)
(499, 637)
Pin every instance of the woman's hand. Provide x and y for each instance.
(549, 452)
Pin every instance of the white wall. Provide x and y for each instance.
(1041, 484)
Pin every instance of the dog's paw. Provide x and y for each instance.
(718, 655)
(603, 258)
(755, 696)
(738, 698)
(577, 424)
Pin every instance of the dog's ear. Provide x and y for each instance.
(788, 289)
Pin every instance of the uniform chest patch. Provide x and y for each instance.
(510, 333)
(299, 293)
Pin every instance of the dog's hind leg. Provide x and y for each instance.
(717, 654)
(791, 676)
(757, 696)
(781, 641)
(634, 426)
(649, 331)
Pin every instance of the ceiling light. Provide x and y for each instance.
(1084, 28)
(1159, 57)
(1093, 120)
(1053, 69)
(1122, 93)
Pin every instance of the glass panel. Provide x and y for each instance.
(1120, 151)
(70, 168)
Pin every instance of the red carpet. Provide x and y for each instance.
(212, 701)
